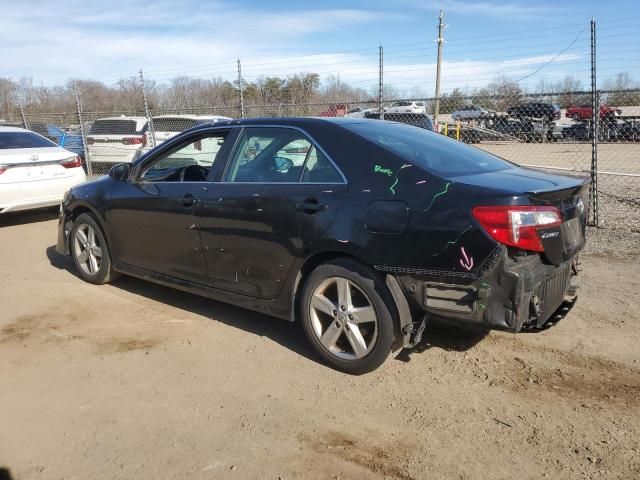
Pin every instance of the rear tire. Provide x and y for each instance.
(346, 316)
(90, 251)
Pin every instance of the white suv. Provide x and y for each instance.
(116, 139)
(406, 107)
(168, 126)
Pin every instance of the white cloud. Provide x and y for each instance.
(107, 40)
(168, 38)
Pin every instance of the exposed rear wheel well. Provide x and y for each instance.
(307, 267)
(311, 263)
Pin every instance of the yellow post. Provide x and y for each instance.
(446, 129)
(457, 130)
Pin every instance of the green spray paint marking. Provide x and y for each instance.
(439, 194)
(385, 171)
(481, 305)
(485, 285)
(392, 187)
(452, 242)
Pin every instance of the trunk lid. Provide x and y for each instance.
(567, 194)
(29, 164)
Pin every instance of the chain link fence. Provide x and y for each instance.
(557, 132)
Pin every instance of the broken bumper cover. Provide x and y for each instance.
(513, 294)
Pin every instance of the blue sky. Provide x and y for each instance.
(111, 39)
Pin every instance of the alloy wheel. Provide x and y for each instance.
(88, 251)
(343, 318)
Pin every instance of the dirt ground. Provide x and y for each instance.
(137, 381)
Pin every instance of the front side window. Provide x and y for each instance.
(278, 155)
(188, 162)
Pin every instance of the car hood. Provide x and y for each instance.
(520, 180)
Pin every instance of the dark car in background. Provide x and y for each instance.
(372, 229)
(545, 111)
(522, 129)
(421, 120)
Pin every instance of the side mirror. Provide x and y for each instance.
(120, 171)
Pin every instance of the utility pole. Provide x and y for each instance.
(595, 115)
(240, 89)
(152, 136)
(25, 124)
(440, 40)
(87, 159)
(381, 82)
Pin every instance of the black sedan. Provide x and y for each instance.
(363, 230)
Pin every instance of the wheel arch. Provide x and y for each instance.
(81, 207)
(401, 310)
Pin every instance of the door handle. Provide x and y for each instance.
(188, 200)
(310, 206)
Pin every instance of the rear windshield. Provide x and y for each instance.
(435, 153)
(173, 124)
(113, 127)
(23, 140)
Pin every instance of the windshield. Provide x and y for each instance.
(23, 140)
(435, 153)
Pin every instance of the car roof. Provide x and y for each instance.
(193, 117)
(290, 121)
(4, 128)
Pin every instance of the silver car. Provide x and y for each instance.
(469, 112)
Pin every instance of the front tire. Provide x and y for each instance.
(90, 251)
(346, 316)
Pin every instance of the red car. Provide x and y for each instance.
(335, 110)
(584, 112)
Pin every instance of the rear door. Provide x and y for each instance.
(279, 193)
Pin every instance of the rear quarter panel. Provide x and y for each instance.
(439, 224)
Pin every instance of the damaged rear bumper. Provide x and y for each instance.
(516, 293)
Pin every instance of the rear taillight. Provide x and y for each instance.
(3, 168)
(134, 140)
(90, 141)
(72, 162)
(517, 226)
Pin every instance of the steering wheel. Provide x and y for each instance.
(193, 173)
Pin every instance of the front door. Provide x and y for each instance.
(153, 219)
(279, 192)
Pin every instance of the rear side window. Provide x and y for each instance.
(113, 127)
(23, 140)
(278, 155)
(173, 124)
(433, 152)
(319, 169)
